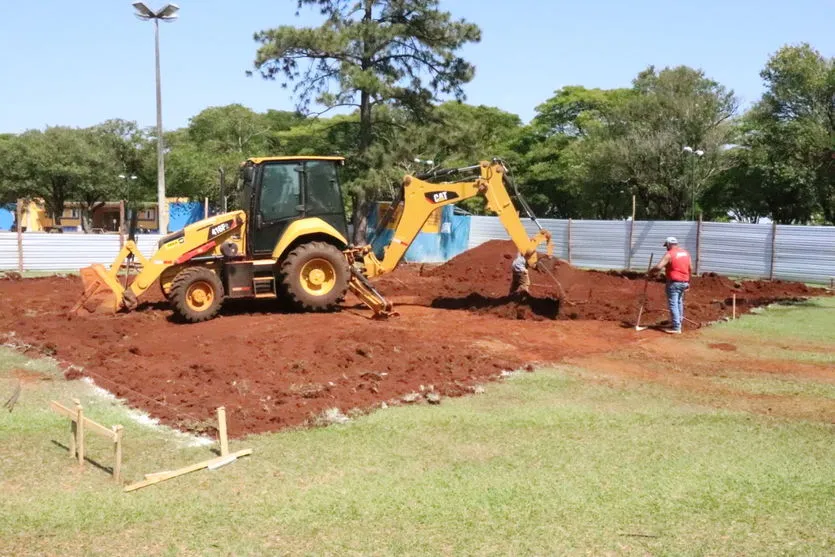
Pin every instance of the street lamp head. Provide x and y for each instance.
(166, 13)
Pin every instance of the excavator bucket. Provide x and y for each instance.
(102, 292)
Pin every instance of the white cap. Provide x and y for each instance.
(671, 240)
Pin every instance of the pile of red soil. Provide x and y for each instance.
(479, 279)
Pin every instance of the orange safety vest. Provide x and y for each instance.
(678, 269)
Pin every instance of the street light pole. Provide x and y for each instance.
(162, 206)
(698, 153)
(166, 13)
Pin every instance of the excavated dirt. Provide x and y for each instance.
(273, 369)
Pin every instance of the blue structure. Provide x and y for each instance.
(7, 216)
(181, 214)
(445, 235)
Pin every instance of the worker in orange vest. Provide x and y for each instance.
(677, 266)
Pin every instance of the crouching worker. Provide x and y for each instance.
(521, 281)
(676, 263)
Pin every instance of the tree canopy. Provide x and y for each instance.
(367, 55)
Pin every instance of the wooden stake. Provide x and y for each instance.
(79, 417)
(631, 234)
(734, 307)
(221, 429)
(152, 479)
(569, 241)
(698, 243)
(773, 243)
(117, 453)
(121, 224)
(73, 435)
(19, 237)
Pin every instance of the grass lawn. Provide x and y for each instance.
(546, 463)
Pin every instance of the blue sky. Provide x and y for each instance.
(80, 63)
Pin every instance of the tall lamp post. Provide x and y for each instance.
(166, 13)
(697, 153)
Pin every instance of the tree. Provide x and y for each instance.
(52, 165)
(633, 142)
(791, 136)
(558, 169)
(366, 54)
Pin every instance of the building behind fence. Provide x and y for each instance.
(801, 253)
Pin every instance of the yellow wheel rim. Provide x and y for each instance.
(200, 296)
(318, 277)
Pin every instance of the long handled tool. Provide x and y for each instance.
(644, 295)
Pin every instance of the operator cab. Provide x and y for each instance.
(277, 191)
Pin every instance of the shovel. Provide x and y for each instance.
(644, 295)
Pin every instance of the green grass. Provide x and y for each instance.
(547, 463)
(778, 386)
(814, 324)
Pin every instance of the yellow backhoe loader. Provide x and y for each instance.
(289, 240)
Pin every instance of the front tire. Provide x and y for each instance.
(196, 294)
(315, 276)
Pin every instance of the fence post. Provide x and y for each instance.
(19, 217)
(121, 224)
(698, 243)
(205, 207)
(569, 241)
(773, 244)
(631, 233)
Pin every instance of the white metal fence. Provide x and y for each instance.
(802, 253)
(65, 252)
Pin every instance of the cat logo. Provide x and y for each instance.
(440, 196)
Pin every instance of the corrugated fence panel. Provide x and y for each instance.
(66, 252)
(8, 250)
(805, 253)
(484, 229)
(648, 239)
(599, 244)
(147, 243)
(736, 249)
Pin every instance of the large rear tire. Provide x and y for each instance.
(315, 276)
(196, 294)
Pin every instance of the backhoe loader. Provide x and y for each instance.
(289, 240)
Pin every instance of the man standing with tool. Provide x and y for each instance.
(521, 281)
(677, 266)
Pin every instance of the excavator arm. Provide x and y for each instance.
(419, 198)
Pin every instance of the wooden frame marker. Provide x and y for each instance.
(80, 424)
(212, 464)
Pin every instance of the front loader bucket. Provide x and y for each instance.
(102, 291)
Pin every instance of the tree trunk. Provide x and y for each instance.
(359, 212)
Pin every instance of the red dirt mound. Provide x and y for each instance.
(479, 278)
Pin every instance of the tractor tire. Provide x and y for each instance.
(196, 294)
(314, 277)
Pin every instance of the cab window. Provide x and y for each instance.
(323, 194)
(280, 192)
